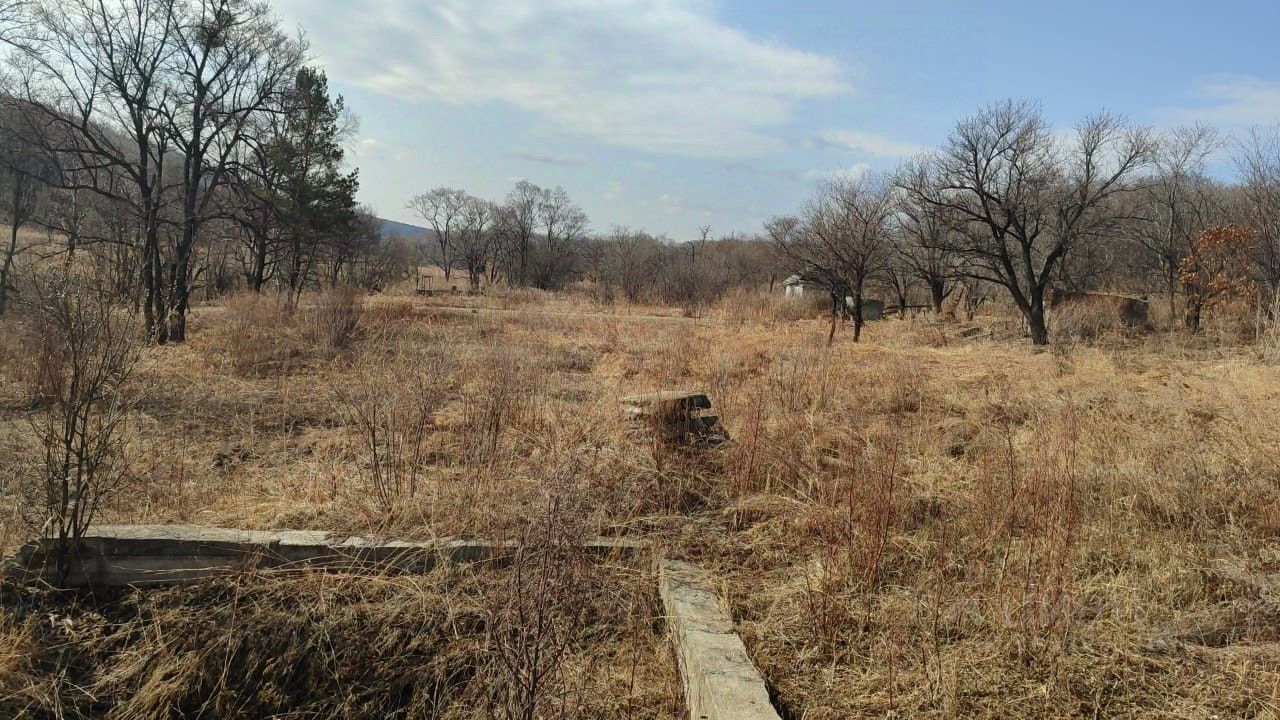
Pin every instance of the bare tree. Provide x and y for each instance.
(1179, 203)
(1025, 199)
(147, 102)
(95, 71)
(842, 241)
(925, 246)
(444, 210)
(564, 227)
(230, 61)
(631, 261)
(1258, 160)
(517, 223)
(25, 169)
(476, 238)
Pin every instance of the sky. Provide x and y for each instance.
(670, 115)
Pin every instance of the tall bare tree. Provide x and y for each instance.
(230, 61)
(564, 227)
(1179, 202)
(96, 71)
(444, 210)
(925, 246)
(842, 241)
(517, 224)
(1258, 160)
(476, 238)
(1024, 198)
(25, 172)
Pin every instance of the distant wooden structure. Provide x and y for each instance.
(422, 281)
(430, 280)
(675, 417)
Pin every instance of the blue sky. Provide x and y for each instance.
(672, 114)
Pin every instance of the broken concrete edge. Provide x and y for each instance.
(678, 399)
(140, 555)
(720, 681)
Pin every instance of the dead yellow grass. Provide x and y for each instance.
(922, 524)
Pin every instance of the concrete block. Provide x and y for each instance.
(720, 681)
(141, 555)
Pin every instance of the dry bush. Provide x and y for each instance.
(19, 369)
(333, 319)
(257, 337)
(388, 312)
(390, 407)
(521, 297)
(1085, 321)
(744, 306)
(535, 615)
(501, 399)
(1231, 323)
(1268, 332)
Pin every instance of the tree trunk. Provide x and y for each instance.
(1035, 318)
(180, 297)
(857, 312)
(937, 293)
(1193, 313)
(153, 280)
(257, 275)
(7, 268)
(835, 310)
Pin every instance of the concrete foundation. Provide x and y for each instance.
(720, 681)
(140, 555)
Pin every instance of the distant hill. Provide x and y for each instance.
(391, 228)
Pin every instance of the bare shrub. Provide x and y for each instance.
(500, 398)
(332, 322)
(534, 617)
(86, 352)
(391, 413)
(1083, 321)
(856, 517)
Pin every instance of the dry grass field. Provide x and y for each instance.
(918, 526)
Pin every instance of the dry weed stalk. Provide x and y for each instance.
(502, 398)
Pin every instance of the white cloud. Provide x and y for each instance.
(855, 172)
(657, 75)
(1235, 101)
(867, 143)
